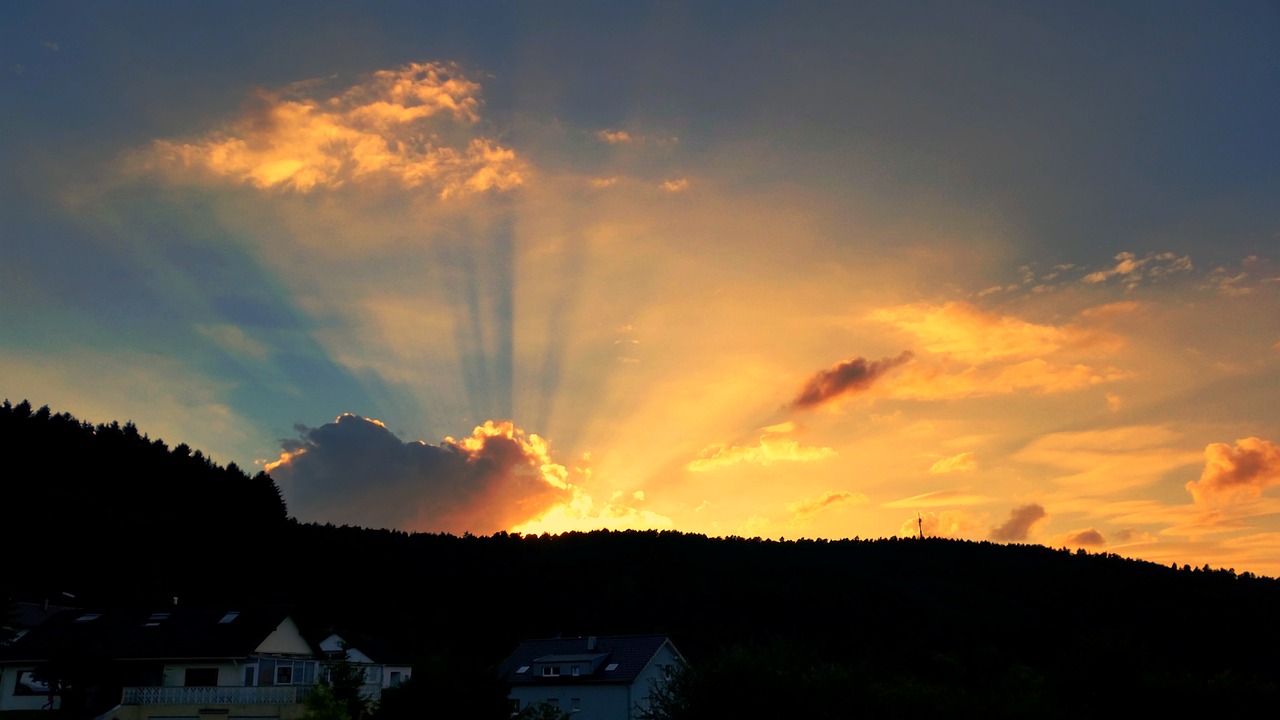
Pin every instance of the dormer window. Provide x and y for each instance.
(551, 671)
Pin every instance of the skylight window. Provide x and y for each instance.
(523, 669)
(229, 617)
(155, 619)
(611, 667)
(88, 617)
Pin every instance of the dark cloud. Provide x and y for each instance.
(1086, 538)
(356, 471)
(845, 378)
(1021, 520)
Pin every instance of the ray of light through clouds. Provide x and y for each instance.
(977, 270)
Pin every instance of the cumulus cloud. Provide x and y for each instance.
(846, 378)
(771, 448)
(355, 471)
(1132, 270)
(1235, 473)
(808, 507)
(1085, 538)
(964, 462)
(1021, 521)
(945, 524)
(614, 137)
(411, 126)
(677, 185)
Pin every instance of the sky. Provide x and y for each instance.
(1000, 271)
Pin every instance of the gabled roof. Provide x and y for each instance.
(152, 634)
(375, 648)
(627, 655)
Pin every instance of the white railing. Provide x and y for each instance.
(287, 695)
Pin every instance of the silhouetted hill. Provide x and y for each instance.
(903, 624)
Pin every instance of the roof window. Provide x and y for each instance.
(88, 617)
(154, 619)
(611, 667)
(523, 669)
(229, 617)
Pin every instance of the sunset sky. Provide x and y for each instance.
(735, 268)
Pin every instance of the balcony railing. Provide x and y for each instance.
(284, 695)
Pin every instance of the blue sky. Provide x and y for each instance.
(548, 266)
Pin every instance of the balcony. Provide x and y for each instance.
(283, 695)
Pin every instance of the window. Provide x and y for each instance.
(576, 670)
(575, 704)
(522, 670)
(249, 672)
(551, 671)
(611, 667)
(284, 674)
(395, 679)
(200, 677)
(229, 617)
(88, 617)
(155, 619)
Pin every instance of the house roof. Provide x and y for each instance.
(630, 654)
(375, 648)
(174, 632)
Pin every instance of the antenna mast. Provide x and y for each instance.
(920, 525)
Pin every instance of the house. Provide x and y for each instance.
(383, 667)
(591, 678)
(190, 663)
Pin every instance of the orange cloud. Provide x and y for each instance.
(846, 378)
(1232, 473)
(1134, 269)
(614, 137)
(385, 128)
(1022, 520)
(972, 352)
(969, 334)
(1085, 538)
(677, 185)
(964, 462)
(945, 524)
(771, 449)
(808, 507)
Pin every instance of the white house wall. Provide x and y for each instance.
(285, 640)
(175, 674)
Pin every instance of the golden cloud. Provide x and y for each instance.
(969, 334)
(614, 137)
(769, 450)
(1134, 269)
(945, 524)
(964, 462)
(973, 352)
(1239, 472)
(808, 507)
(388, 128)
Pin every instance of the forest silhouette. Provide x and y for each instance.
(891, 627)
